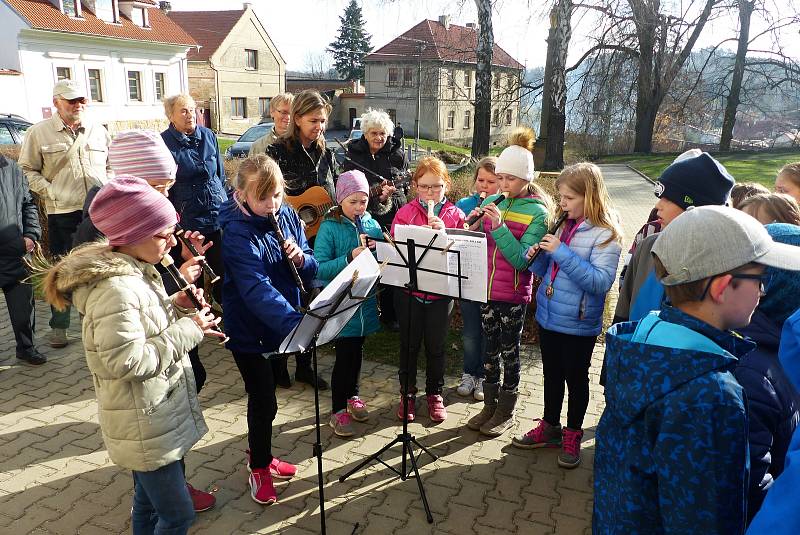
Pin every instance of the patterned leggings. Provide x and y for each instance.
(502, 325)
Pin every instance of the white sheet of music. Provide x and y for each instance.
(437, 272)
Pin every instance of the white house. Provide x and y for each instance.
(127, 53)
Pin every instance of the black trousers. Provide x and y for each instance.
(19, 299)
(346, 370)
(429, 322)
(566, 359)
(262, 406)
(60, 230)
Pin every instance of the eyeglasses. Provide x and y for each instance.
(764, 280)
(430, 187)
(165, 237)
(163, 188)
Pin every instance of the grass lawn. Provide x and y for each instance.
(224, 144)
(744, 166)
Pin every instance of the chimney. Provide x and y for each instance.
(444, 20)
(472, 25)
(166, 7)
(247, 5)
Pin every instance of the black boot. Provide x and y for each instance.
(281, 372)
(306, 375)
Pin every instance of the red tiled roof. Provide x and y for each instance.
(457, 44)
(209, 29)
(43, 15)
(9, 72)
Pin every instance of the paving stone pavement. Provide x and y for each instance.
(56, 478)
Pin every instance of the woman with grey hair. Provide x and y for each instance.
(382, 154)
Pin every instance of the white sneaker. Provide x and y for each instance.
(478, 392)
(466, 386)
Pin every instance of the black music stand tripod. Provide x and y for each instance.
(405, 438)
(311, 338)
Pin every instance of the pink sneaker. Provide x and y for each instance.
(261, 488)
(202, 501)
(543, 435)
(436, 409)
(357, 409)
(411, 409)
(281, 469)
(570, 456)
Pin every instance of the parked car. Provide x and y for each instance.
(12, 129)
(355, 134)
(242, 145)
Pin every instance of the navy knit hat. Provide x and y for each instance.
(783, 294)
(695, 181)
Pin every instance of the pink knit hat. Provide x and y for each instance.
(128, 210)
(141, 153)
(351, 182)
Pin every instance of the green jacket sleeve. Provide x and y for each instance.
(514, 250)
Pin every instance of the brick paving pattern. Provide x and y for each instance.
(56, 478)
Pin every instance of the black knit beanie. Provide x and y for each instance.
(696, 181)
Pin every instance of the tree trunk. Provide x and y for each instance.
(554, 152)
(745, 11)
(483, 80)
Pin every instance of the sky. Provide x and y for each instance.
(303, 27)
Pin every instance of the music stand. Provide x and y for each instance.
(322, 321)
(411, 261)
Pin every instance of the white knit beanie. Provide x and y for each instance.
(516, 161)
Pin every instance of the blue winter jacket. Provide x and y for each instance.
(773, 407)
(778, 514)
(671, 446)
(468, 204)
(335, 239)
(259, 296)
(199, 189)
(587, 271)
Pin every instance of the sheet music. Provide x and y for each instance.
(437, 272)
(301, 336)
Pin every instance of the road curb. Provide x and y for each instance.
(644, 176)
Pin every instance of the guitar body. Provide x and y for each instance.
(311, 205)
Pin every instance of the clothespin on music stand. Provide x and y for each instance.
(447, 247)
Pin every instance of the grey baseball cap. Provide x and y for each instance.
(711, 240)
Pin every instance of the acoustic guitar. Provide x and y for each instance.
(313, 203)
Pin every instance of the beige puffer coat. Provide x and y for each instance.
(136, 346)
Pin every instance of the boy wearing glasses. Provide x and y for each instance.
(63, 157)
(672, 450)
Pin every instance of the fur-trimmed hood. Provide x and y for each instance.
(83, 266)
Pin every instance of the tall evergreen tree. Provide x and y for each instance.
(351, 45)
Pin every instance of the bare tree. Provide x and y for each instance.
(318, 65)
(483, 80)
(557, 117)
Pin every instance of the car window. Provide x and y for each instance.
(21, 128)
(5, 135)
(254, 132)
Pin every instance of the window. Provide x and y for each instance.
(392, 76)
(393, 116)
(467, 118)
(95, 85)
(451, 119)
(497, 77)
(408, 77)
(468, 83)
(252, 59)
(135, 85)
(509, 116)
(263, 106)
(238, 108)
(451, 83)
(160, 85)
(496, 117)
(105, 10)
(5, 135)
(72, 8)
(139, 17)
(63, 73)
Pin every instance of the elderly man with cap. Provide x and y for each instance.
(63, 157)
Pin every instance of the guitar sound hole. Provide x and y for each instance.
(307, 214)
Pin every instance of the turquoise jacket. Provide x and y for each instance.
(335, 239)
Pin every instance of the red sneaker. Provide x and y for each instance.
(411, 409)
(281, 469)
(261, 488)
(436, 409)
(202, 501)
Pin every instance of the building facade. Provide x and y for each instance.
(434, 64)
(237, 69)
(127, 53)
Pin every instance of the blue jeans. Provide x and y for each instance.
(472, 337)
(161, 502)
